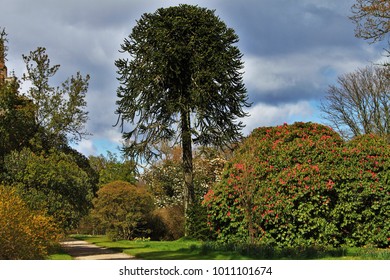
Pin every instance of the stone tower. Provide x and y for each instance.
(3, 68)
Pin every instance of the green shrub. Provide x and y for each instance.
(301, 185)
(53, 182)
(123, 210)
(24, 234)
(168, 223)
(362, 212)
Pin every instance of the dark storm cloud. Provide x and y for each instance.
(283, 26)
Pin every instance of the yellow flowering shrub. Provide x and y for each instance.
(24, 234)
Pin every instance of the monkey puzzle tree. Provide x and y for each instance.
(183, 83)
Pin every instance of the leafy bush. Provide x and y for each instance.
(123, 210)
(363, 192)
(53, 182)
(168, 223)
(24, 234)
(301, 185)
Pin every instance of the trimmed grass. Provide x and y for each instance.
(58, 254)
(181, 249)
(185, 249)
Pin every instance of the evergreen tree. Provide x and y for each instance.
(182, 84)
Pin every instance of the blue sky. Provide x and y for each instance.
(293, 50)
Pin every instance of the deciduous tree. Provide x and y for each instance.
(24, 234)
(360, 104)
(110, 168)
(372, 19)
(59, 111)
(16, 119)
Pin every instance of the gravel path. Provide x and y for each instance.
(82, 250)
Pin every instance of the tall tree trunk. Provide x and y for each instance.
(189, 193)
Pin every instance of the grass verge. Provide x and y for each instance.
(57, 253)
(184, 249)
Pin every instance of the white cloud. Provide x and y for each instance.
(101, 143)
(270, 115)
(300, 69)
(86, 147)
(115, 136)
(268, 74)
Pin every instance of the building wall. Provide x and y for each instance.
(3, 70)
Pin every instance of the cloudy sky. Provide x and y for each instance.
(293, 50)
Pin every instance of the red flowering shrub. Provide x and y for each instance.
(363, 192)
(301, 184)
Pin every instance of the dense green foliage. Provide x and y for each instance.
(16, 120)
(363, 190)
(109, 169)
(24, 234)
(300, 184)
(52, 181)
(123, 210)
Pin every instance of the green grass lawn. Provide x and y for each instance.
(184, 249)
(163, 250)
(58, 254)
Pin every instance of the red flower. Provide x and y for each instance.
(330, 184)
(316, 168)
(239, 166)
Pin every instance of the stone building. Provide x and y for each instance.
(3, 69)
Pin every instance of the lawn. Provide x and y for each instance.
(182, 249)
(185, 249)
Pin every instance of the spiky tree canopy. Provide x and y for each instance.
(184, 77)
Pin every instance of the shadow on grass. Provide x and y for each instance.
(272, 253)
(212, 251)
(192, 253)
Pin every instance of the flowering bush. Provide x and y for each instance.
(24, 234)
(300, 184)
(363, 192)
